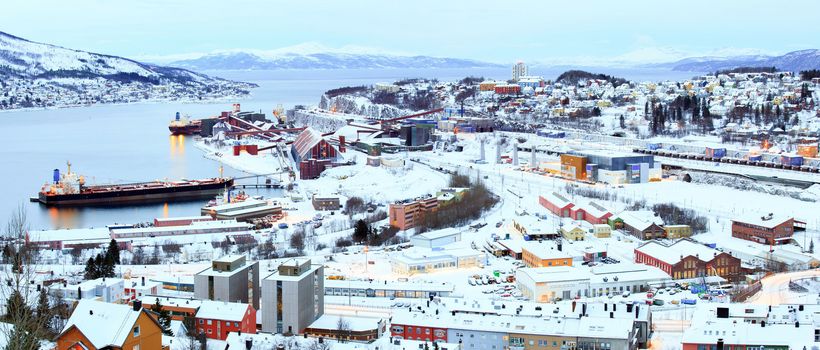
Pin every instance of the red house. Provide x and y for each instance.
(686, 259)
(508, 89)
(556, 204)
(216, 319)
(766, 229)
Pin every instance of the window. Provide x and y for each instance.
(136, 347)
(137, 331)
(227, 324)
(210, 322)
(210, 331)
(236, 324)
(200, 321)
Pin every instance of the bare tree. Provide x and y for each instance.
(342, 329)
(17, 294)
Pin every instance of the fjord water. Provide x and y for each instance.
(131, 142)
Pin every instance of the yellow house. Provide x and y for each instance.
(677, 231)
(602, 230)
(573, 233)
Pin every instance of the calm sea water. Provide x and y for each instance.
(126, 143)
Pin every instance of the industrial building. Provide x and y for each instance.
(293, 297)
(423, 260)
(546, 284)
(229, 279)
(435, 239)
(313, 153)
(765, 229)
(686, 259)
(544, 254)
(610, 167)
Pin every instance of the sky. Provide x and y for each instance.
(495, 31)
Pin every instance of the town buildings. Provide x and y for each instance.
(229, 279)
(101, 325)
(387, 289)
(293, 297)
(766, 229)
(326, 202)
(677, 231)
(751, 326)
(687, 259)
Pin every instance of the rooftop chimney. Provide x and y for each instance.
(143, 281)
(611, 314)
(137, 305)
(248, 343)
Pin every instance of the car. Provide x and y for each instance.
(506, 295)
(675, 302)
(658, 302)
(610, 295)
(673, 292)
(650, 295)
(625, 294)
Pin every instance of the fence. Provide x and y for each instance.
(740, 295)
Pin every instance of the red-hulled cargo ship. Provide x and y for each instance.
(185, 126)
(69, 189)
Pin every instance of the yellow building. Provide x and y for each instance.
(602, 230)
(573, 233)
(677, 231)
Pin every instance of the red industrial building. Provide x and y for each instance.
(559, 205)
(251, 149)
(556, 204)
(767, 229)
(686, 259)
(216, 319)
(313, 153)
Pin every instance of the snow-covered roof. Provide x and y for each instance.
(673, 253)
(356, 324)
(391, 285)
(104, 324)
(306, 140)
(220, 310)
(557, 199)
(544, 249)
(765, 220)
(430, 235)
(640, 219)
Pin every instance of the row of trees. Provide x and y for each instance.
(104, 263)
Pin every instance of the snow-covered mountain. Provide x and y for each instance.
(34, 74)
(794, 61)
(321, 60)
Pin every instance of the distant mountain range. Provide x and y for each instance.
(794, 61)
(329, 60)
(35, 74)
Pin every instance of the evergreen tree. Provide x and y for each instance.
(16, 308)
(623, 122)
(112, 254)
(360, 231)
(44, 312)
(91, 269)
(163, 318)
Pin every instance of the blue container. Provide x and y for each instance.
(177, 117)
(283, 225)
(757, 158)
(527, 238)
(712, 245)
(688, 301)
(56, 176)
(654, 146)
(715, 152)
(791, 160)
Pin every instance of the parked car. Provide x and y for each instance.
(625, 294)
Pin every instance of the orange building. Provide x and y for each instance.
(98, 325)
(808, 151)
(405, 214)
(544, 254)
(574, 167)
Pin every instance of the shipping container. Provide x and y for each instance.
(715, 152)
(792, 160)
(755, 158)
(654, 146)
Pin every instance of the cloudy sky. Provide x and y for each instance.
(497, 31)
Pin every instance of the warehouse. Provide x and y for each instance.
(387, 289)
(423, 260)
(610, 167)
(765, 229)
(310, 144)
(435, 239)
(545, 284)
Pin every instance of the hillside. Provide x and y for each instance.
(250, 61)
(572, 77)
(42, 75)
(793, 61)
